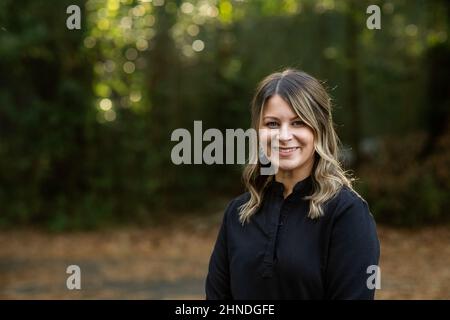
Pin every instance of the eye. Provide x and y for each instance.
(272, 124)
(298, 123)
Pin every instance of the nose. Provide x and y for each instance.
(285, 133)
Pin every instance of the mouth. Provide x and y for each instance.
(283, 151)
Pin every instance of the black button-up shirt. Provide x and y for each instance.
(283, 254)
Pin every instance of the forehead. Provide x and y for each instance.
(275, 106)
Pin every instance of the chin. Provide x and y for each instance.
(286, 165)
(287, 168)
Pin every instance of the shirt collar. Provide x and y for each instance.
(301, 188)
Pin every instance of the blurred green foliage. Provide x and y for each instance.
(86, 115)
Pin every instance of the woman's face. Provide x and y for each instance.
(285, 135)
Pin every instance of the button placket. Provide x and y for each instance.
(269, 253)
(277, 217)
(284, 213)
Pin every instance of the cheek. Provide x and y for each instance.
(265, 137)
(306, 138)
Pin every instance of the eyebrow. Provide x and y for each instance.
(272, 117)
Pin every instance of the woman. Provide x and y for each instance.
(303, 232)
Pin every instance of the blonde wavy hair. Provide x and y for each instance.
(311, 102)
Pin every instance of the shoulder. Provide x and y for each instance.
(232, 209)
(348, 204)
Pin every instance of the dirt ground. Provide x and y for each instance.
(170, 262)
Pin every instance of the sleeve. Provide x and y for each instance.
(354, 253)
(218, 279)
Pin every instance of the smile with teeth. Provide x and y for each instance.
(286, 151)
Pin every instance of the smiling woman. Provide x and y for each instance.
(303, 232)
(295, 141)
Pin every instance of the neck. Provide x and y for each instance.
(289, 179)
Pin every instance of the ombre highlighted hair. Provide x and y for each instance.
(311, 102)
